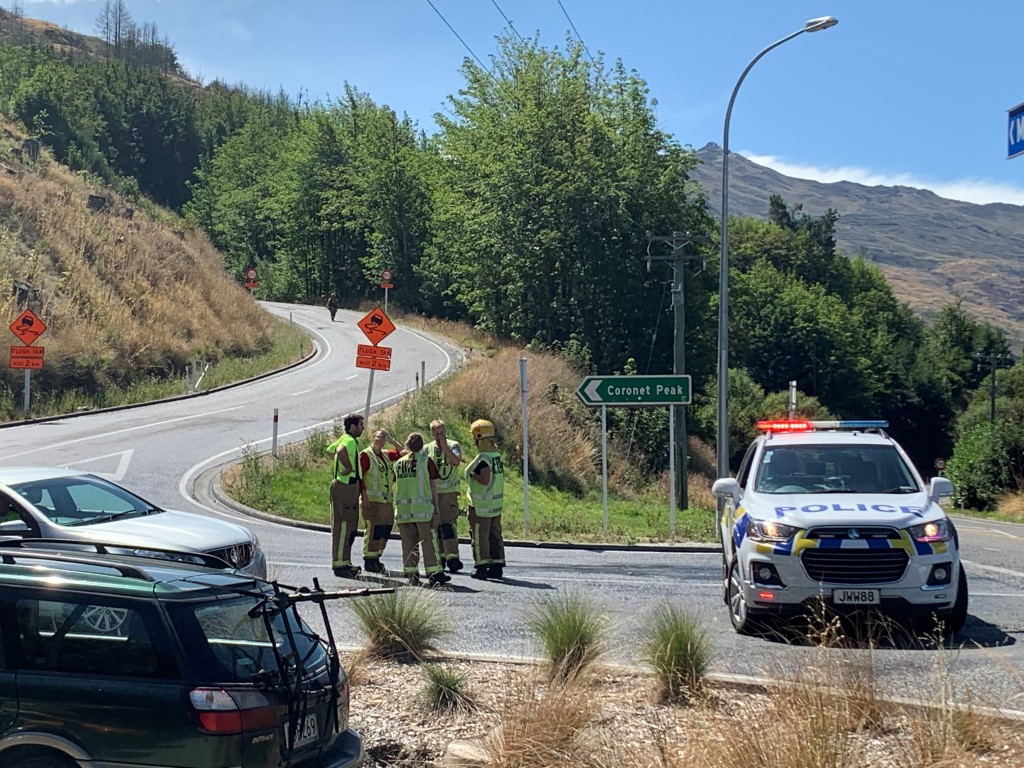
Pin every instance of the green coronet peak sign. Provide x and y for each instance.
(626, 391)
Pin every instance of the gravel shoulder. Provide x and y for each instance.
(613, 718)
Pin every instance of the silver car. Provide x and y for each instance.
(51, 503)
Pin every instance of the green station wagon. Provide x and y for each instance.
(163, 659)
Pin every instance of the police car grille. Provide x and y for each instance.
(853, 532)
(854, 566)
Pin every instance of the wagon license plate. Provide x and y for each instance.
(307, 732)
(855, 597)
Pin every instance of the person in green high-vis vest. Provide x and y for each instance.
(416, 512)
(345, 496)
(486, 489)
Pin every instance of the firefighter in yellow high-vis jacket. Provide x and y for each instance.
(485, 476)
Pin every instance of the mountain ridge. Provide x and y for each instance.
(932, 249)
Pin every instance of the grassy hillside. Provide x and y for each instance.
(128, 294)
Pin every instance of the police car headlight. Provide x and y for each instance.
(769, 530)
(937, 530)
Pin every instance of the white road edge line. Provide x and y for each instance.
(186, 479)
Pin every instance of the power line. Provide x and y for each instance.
(459, 38)
(574, 30)
(508, 21)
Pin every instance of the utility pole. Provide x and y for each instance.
(679, 255)
(993, 361)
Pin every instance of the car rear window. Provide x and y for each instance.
(225, 644)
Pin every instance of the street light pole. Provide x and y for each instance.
(814, 25)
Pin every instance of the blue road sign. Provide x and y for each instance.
(1015, 132)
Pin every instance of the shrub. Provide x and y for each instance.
(445, 690)
(572, 632)
(404, 625)
(679, 649)
(974, 468)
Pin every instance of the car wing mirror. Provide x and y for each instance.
(940, 488)
(14, 528)
(726, 488)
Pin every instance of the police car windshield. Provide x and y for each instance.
(813, 469)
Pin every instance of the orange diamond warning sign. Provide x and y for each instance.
(377, 326)
(28, 327)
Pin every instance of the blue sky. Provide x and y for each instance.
(900, 92)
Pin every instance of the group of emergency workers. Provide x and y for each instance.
(416, 485)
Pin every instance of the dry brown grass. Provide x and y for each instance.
(121, 297)
(1011, 505)
(560, 445)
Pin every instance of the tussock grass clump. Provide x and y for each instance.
(404, 625)
(679, 650)
(542, 727)
(572, 632)
(357, 667)
(445, 690)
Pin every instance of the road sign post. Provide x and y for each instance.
(28, 328)
(376, 326)
(636, 392)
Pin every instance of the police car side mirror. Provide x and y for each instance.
(940, 488)
(727, 488)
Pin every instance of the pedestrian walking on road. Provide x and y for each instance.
(447, 455)
(485, 477)
(416, 512)
(377, 481)
(345, 496)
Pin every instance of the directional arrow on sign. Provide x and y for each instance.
(635, 391)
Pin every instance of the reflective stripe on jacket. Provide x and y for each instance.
(448, 480)
(486, 500)
(413, 502)
(380, 480)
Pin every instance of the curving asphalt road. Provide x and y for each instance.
(172, 452)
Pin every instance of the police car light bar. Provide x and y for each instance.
(807, 426)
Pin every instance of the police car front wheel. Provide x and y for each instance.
(739, 611)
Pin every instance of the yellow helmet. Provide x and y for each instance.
(482, 429)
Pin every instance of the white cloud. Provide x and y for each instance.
(968, 190)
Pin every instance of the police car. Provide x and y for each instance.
(836, 511)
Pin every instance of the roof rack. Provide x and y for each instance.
(66, 547)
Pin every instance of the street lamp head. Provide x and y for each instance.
(822, 22)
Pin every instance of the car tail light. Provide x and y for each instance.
(219, 711)
(343, 703)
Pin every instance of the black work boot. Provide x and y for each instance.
(347, 571)
(480, 572)
(414, 579)
(496, 572)
(439, 578)
(373, 565)
(454, 565)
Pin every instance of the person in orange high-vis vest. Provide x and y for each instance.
(377, 481)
